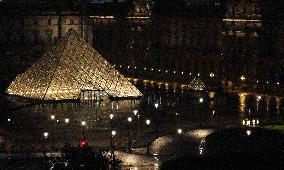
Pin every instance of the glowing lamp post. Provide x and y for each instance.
(135, 112)
(45, 135)
(52, 117)
(243, 78)
(67, 120)
(156, 105)
(111, 117)
(83, 123)
(201, 100)
(129, 119)
(179, 131)
(148, 122)
(248, 132)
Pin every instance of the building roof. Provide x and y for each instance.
(67, 68)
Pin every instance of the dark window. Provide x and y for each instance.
(35, 21)
(49, 36)
(49, 21)
(35, 36)
(71, 22)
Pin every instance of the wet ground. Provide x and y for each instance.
(176, 119)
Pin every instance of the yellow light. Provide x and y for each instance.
(179, 131)
(135, 112)
(67, 120)
(113, 133)
(156, 105)
(129, 119)
(248, 132)
(83, 123)
(45, 134)
(243, 78)
(241, 20)
(212, 75)
(102, 17)
(52, 117)
(148, 121)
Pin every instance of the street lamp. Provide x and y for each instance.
(129, 119)
(45, 135)
(156, 105)
(9, 120)
(111, 116)
(243, 78)
(248, 132)
(201, 100)
(67, 120)
(113, 133)
(83, 123)
(148, 122)
(52, 117)
(179, 131)
(135, 112)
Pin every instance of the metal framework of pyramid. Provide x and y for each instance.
(196, 84)
(68, 68)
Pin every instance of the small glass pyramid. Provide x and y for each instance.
(196, 84)
(68, 68)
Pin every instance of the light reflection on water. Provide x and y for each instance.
(175, 110)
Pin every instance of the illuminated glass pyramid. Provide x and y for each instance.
(196, 84)
(68, 68)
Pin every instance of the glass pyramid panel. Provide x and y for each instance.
(67, 69)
